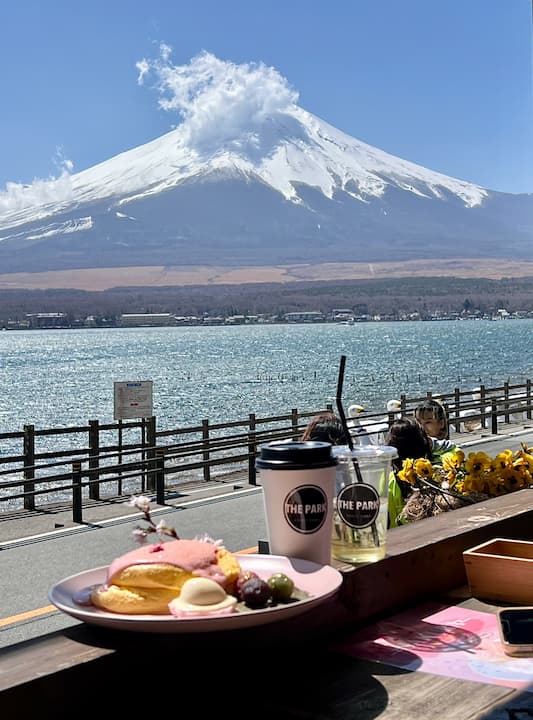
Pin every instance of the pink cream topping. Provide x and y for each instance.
(193, 556)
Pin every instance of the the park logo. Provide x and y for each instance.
(306, 508)
(358, 505)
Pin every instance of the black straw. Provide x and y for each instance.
(338, 397)
(342, 416)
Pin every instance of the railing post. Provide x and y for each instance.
(295, 422)
(391, 417)
(77, 505)
(160, 476)
(119, 438)
(528, 401)
(94, 459)
(482, 406)
(506, 399)
(205, 453)
(457, 401)
(494, 417)
(151, 441)
(29, 462)
(252, 450)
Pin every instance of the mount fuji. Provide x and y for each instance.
(293, 189)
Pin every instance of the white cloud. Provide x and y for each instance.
(51, 190)
(62, 163)
(219, 102)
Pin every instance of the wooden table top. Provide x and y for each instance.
(273, 673)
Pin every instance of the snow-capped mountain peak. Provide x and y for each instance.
(250, 177)
(303, 150)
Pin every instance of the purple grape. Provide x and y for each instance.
(256, 593)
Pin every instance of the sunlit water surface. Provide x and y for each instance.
(55, 378)
(64, 378)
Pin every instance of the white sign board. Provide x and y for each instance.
(133, 400)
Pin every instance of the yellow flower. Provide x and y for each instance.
(460, 487)
(452, 466)
(504, 459)
(407, 473)
(423, 468)
(453, 461)
(497, 487)
(469, 485)
(478, 475)
(512, 479)
(477, 463)
(493, 467)
(524, 460)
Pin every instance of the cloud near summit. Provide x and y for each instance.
(18, 196)
(220, 103)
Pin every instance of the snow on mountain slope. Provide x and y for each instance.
(304, 150)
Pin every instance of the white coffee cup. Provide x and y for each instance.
(298, 480)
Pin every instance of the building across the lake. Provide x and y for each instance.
(144, 319)
(47, 320)
(308, 316)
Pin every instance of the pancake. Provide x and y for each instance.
(145, 580)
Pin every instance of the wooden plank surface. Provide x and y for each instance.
(302, 681)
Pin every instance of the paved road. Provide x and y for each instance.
(31, 561)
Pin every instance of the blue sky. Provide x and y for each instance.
(447, 85)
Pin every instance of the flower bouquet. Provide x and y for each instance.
(458, 480)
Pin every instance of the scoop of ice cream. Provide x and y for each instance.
(202, 596)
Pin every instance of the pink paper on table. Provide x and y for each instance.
(443, 640)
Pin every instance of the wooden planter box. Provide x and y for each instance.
(502, 570)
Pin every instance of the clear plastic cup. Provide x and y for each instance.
(360, 503)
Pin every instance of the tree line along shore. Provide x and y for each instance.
(424, 298)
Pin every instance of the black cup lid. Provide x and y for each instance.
(295, 455)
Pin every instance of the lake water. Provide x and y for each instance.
(54, 378)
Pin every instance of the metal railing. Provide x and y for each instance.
(159, 461)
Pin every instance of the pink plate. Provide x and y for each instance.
(320, 581)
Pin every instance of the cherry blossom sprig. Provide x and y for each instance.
(140, 534)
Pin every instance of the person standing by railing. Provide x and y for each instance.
(431, 414)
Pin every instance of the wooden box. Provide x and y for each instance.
(501, 570)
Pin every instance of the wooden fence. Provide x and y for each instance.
(152, 460)
(131, 457)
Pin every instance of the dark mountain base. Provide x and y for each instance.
(242, 222)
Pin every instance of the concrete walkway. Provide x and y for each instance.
(18, 524)
(50, 519)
